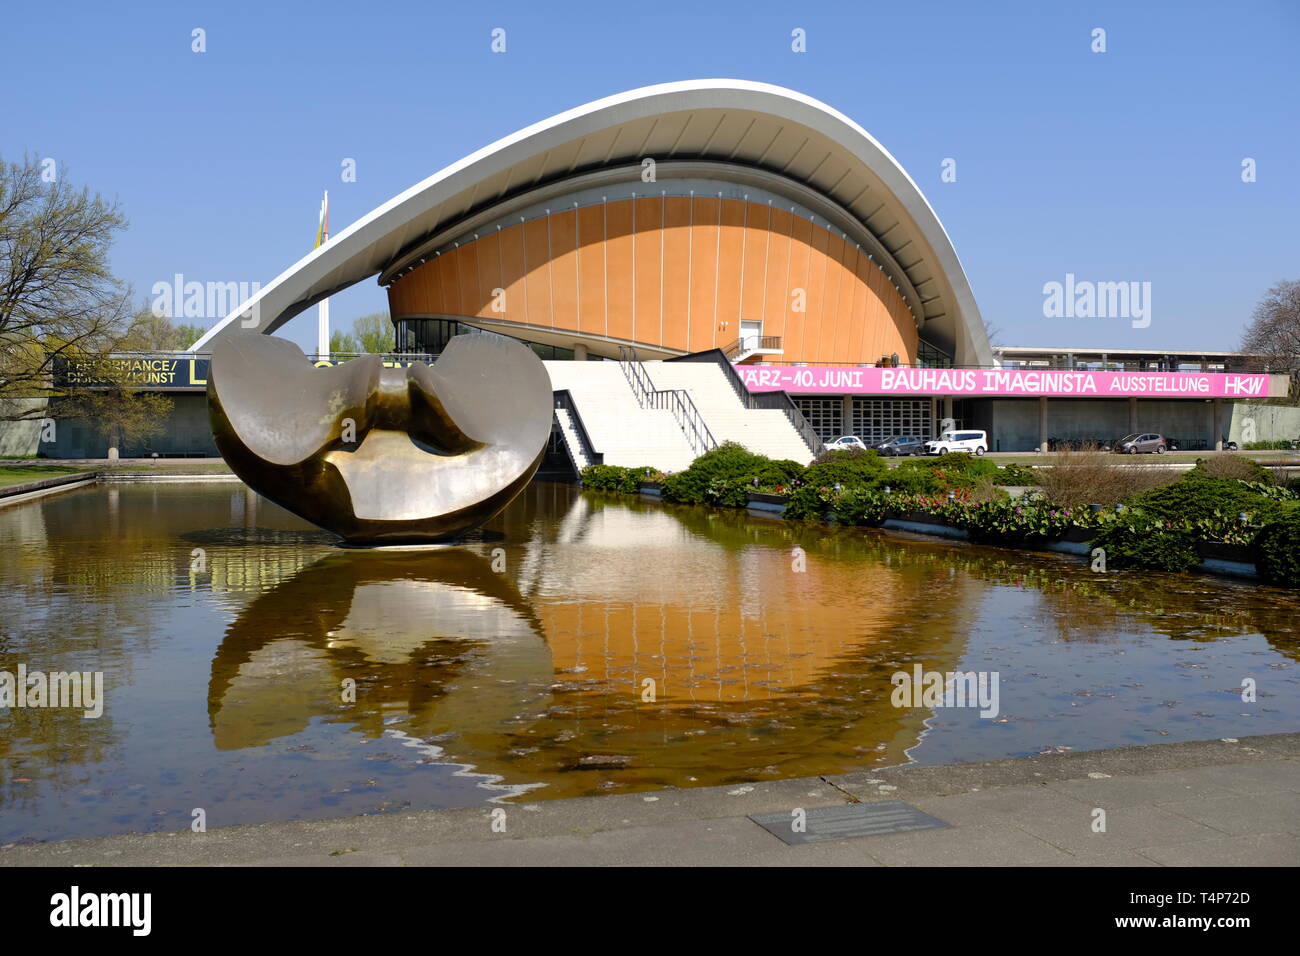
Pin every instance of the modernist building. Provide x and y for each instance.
(728, 215)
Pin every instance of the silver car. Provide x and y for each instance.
(1142, 444)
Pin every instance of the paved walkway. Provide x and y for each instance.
(1210, 803)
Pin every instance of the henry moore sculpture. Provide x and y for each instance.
(382, 455)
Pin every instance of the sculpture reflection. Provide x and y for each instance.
(411, 629)
(382, 455)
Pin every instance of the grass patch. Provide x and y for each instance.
(21, 474)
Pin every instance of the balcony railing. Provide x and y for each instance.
(750, 344)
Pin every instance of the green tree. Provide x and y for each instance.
(150, 332)
(371, 334)
(374, 333)
(128, 416)
(58, 300)
(343, 343)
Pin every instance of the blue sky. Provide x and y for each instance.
(1115, 166)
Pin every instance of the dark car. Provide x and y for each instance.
(901, 445)
(1143, 444)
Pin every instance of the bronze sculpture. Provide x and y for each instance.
(382, 455)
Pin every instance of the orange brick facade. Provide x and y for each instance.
(678, 273)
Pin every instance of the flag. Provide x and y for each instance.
(323, 227)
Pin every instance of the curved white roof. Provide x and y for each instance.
(755, 125)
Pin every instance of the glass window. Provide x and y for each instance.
(825, 415)
(876, 419)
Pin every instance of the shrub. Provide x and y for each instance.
(1139, 540)
(844, 454)
(914, 477)
(728, 492)
(1233, 466)
(1016, 474)
(851, 468)
(1092, 476)
(1197, 498)
(807, 503)
(986, 489)
(960, 466)
(781, 472)
(728, 461)
(607, 478)
(1031, 519)
(1276, 550)
(860, 506)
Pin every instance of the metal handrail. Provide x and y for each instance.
(676, 400)
(564, 399)
(768, 400)
(741, 345)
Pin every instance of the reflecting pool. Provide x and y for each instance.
(579, 644)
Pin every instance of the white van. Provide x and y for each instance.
(968, 439)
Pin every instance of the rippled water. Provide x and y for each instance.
(289, 678)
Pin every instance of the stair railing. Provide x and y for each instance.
(676, 400)
(776, 400)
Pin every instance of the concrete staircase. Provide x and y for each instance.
(619, 428)
(761, 430)
(631, 436)
(572, 441)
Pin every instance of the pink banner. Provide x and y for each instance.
(851, 380)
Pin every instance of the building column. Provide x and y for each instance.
(946, 411)
(1132, 414)
(1042, 423)
(579, 352)
(846, 416)
(1217, 437)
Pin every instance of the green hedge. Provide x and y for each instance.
(1277, 551)
(1016, 474)
(700, 483)
(614, 478)
(1147, 542)
(849, 468)
(1197, 498)
(1158, 530)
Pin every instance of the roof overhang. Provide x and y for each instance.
(756, 126)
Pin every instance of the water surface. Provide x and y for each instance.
(579, 644)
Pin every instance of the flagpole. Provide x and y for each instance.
(323, 315)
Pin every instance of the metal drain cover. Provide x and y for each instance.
(821, 824)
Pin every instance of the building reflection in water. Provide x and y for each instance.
(643, 654)
(624, 644)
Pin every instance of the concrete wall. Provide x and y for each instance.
(1012, 424)
(187, 433)
(18, 439)
(1270, 422)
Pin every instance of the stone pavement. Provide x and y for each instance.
(1207, 803)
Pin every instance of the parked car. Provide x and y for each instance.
(1143, 444)
(845, 443)
(968, 440)
(901, 445)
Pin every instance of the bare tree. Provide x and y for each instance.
(1274, 332)
(58, 300)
